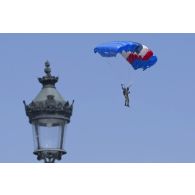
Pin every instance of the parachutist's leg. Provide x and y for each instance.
(125, 102)
(128, 101)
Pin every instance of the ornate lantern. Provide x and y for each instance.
(49, 114)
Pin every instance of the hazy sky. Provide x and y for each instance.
(159, 126)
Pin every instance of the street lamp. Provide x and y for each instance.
(49, 114)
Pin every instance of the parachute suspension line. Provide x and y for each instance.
(138, 76)
(112, 70)
(129, 73)
(134, 76)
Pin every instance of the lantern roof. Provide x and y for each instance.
(49, 101)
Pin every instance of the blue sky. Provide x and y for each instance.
(158, 127)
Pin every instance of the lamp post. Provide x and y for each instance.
(49, 114)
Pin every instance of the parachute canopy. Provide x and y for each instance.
(138, 55)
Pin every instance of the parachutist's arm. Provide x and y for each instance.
(129, 85)
(122, 86)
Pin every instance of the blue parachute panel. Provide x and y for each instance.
(144, 64)
(113, 48)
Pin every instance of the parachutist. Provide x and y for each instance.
(126, 93)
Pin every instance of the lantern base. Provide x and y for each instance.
(49, 155)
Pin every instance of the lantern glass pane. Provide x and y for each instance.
(48, 134)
